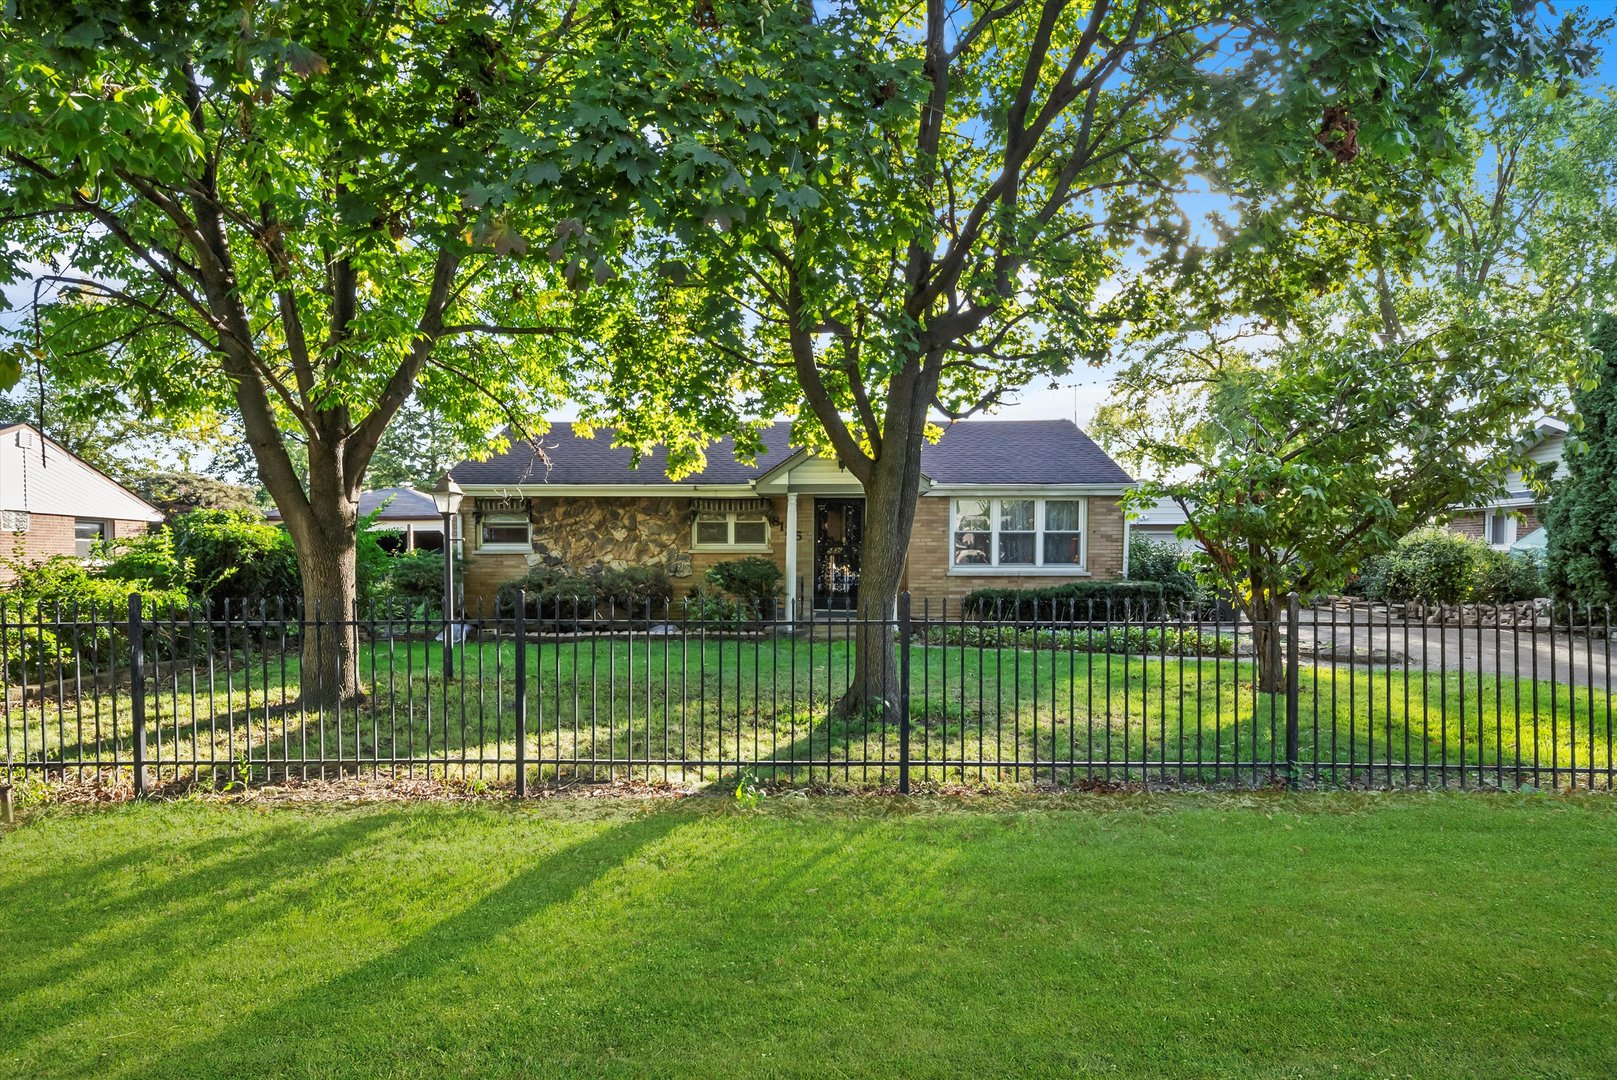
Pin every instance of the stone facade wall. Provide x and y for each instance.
(579, 534)
(927, 573)
(52, 534)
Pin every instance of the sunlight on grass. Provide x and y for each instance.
(1339, 935)
(701, 712)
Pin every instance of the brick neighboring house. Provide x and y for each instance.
(1003, 503)
(57, 504)
(1516, 511)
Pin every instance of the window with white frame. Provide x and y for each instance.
(86, 535)
(506, 532)
(730, 532)
(1501, 528)
(1018, 533)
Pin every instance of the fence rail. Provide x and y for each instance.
(1099, 694)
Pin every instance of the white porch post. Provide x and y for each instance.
(791, 556)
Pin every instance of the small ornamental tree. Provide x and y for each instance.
(1304, 445)
(1581, 518)
(1310, 459)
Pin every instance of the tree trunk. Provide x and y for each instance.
(890, 497)
(323, 530)
(331, 638)
(1267, 641)
(874, 688)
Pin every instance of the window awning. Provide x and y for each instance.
(731, 506)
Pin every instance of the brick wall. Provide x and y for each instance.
(52, 534)
(1474, 523)
(927, 574)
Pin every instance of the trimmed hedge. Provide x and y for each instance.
(1076, 600)
(1138, 640)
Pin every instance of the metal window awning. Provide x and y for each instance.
(731, 506)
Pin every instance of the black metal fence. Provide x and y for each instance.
(136, 700)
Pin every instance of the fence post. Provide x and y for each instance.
(904, 693)
(521, 631)
(1293, 632)
(137, 690)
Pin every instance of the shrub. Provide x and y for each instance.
(64, 583)
(1138, 640)
(1161, 561)
(633, 590)
(552, 594)
(410, 581)
(556, 593)
(235, 556)
(1500, 577)
(708, 604)
(1431, 565)
(755, 581)
(65, 588)
(1076, 600)
(1436, 566)
(149, 559)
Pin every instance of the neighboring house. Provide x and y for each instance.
(53, 503)
(1160, 522)
(1516, 512)
(1003, 503)
(408, 520)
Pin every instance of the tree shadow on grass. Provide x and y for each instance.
(272, 1034)
(129, 948)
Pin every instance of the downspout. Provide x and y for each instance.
(1127, 527)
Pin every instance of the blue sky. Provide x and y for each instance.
(1077, 395)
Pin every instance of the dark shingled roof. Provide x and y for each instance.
(985, 452)
(1018, 452)
(577, 460)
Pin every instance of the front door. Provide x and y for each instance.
(839, 530)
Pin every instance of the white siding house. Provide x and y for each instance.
(52, 503)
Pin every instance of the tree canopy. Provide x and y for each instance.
(307, 215)
(1303, 444)
(889, 213)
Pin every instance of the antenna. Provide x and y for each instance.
(39, 373)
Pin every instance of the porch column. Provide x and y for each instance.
(791, 556)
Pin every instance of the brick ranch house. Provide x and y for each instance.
(1002, 503)
(53, 503)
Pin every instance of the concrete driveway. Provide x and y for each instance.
(1562, 657)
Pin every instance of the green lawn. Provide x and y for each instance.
(599, 709)
(1329, 936)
